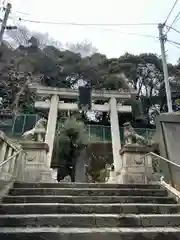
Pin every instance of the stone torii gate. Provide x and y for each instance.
(54, 105)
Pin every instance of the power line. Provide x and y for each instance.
(28, 14)
(88, 24)
(174, 29)
(94, 26)
(173, 42)
(175, 19)
(134, 34)
(174, 45)
(170, 11)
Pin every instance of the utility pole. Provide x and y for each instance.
(162, 39)
(4, 21)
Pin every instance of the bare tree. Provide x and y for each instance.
(20, 36)
(85, 48)
(45, 40)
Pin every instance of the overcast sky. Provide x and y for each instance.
(110, 42)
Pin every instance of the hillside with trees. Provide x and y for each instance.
(37, 58)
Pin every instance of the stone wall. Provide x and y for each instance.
(168, 130)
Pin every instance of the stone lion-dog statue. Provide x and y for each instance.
(31, 134)
(130, 136)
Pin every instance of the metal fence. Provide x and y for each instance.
(17, 125)
(96, 133)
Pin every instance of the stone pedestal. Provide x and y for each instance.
(37, 167)
(134, 168)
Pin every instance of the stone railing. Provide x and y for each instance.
(12, 159)
(12, 163)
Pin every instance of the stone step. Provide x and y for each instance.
(90, 233)
(89, 199)
(88, 192)
(89, 220)
(85, 185)
(58, 208)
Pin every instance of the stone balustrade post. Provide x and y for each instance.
(3, 148)
(12, 162)
(6, 168)
(7, 150)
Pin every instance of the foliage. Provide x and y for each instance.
(38, 56)
(103, 174)
(60, 66)
(70, 139)
(14, 90)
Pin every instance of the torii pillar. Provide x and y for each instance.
(115, 134)
(51, 126)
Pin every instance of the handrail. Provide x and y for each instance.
(8, 141)
(11, 157)
(165, 159)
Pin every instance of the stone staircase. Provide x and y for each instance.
(88, 211)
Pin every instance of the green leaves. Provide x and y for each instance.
(71, 138)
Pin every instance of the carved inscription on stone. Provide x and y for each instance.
(132, 161)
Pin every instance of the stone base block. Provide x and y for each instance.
(130, 178)
(134, 168)
(36, 167)
(38, 174)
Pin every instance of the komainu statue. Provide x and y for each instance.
(39, 127)
(130, 136)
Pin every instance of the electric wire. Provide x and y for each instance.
(171, 11)
(171, 41)
(94, 26)
(175, 19)
(174, 45)
(86, 24)
(174, 29)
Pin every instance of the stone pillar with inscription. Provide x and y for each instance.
(134, 168)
